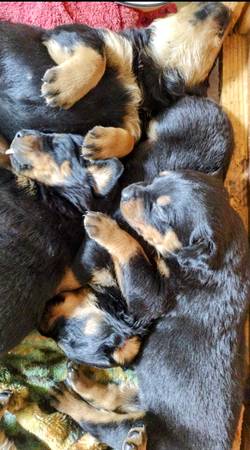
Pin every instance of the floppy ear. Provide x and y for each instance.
(105, 174)
(200, 254)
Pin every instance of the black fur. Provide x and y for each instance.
(24, 60)
(190, 371)
(41, 231)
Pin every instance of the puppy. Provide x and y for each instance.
(114, 81)
(194, 132)
(190, 371)
(41, 227)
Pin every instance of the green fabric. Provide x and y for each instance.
(30, 371)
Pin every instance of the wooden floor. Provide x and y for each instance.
(235, 98)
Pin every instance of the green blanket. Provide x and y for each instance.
(30, 371)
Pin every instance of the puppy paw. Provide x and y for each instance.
(136, 439)
(101, 143)
(62, 399)
(59, 88)
(100, 227)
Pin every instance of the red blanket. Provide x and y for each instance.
(97, 14)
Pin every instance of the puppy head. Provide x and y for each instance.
(180, 214)
(88, 334)
(54, 160)
(186, 44)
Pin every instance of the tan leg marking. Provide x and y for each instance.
(119, 54)
(107, 142)
(110, 397)
(109, 235)
(136, 439)
(79, 71)
(67, 403)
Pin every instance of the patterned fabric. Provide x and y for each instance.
(30, 371)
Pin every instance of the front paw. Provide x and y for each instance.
(100, 227)
(99, 143)
(136, 439)
(58, 88)
(62, 399)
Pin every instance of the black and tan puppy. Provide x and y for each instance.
(41, 228)
(124, 78)
(190, 371)
(177, 140)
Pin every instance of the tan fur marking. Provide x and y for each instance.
(109, 142)
(103, 277)
(128, 351)
(81, 411)
(152, 130)
(110, 397)
(163, 200)
(109, 235)
(69, 282)
(93, 323)
(164, 173)
(44, 168)
(162, 267)
(79, 71)
(87, 442)
(4, 159)
(182, 42)
(25, 183)
(133, 212)
(76, 304)
(119, 54)
(101, 175)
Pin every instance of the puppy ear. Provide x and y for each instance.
(105, 174)
(200, 254)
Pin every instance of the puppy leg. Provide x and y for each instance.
(67, 403)
(107, 142)
(81, 65)
(109, 397)
(145, 289)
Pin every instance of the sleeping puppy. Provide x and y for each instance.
(190, 371)
(194, 132)
(116, 81)
(41, 228)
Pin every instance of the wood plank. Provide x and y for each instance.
(235, 100)
(236, 10)
(244, 25)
